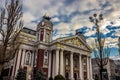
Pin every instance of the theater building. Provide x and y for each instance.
(68, 56)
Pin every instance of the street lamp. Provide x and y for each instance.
(96, 19)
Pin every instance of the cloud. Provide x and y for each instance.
(69, 15)
(90, 33)
(55, 19)
(27, 19)
(63, 28)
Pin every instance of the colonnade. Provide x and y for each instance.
(56, 61)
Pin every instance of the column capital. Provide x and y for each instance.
(80, 54)
(71, 52)
(57, 49)
(61, 49)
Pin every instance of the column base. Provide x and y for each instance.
(72, 79)
(89, 79)
(80, 79)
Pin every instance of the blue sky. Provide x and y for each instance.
(69, 15)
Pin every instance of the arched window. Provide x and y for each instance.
(47, 37)
(67, 62)
(37, 36)
(28, 58)
(75, 62)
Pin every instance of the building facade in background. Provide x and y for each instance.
(68, 56)
(112, 70)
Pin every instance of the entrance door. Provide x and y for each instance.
(75, 76)
(67, 76)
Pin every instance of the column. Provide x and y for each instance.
(71, 66)
(88, 68)
(61, 62)
(14, 65)
(91, 76)
(18, 61)
(53, 65)
(57, 62)
(33, 55)
(49, 65)
(80, 68)
(23, 58)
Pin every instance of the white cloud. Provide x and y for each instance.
(116, 57)
(34, 10)
(56, 19)
(111, 42)
(28, 17)
(59, 36)
(63, 28)
(89, 33)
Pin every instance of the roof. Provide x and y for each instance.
(76, 42)
(29, 31)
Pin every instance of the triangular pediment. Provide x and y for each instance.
(75, 41)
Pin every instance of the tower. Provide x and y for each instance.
(44, 30)
(44, 37)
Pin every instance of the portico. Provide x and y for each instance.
(71, 61)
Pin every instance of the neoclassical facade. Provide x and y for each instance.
(68, 56)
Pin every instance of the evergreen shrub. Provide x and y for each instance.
(59, 77)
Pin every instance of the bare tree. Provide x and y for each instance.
(10, 27)
(101, 52)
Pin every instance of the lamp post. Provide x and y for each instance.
(96, 19)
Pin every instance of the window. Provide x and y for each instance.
(47, 37)
(45, 61)
(28, 58)
(37, 36)
(46, 53)
(67, 62)
(75, 62)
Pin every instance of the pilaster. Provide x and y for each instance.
(49, 65)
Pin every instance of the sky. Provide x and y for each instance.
(69, 15)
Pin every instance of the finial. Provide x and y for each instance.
(46, 16)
